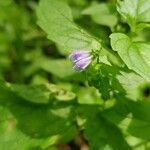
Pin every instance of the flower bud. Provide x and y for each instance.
(80, 59)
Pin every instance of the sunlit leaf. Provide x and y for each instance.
(136, 13)
(135, 54)
(55, 18)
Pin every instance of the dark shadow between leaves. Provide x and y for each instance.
(38, 121)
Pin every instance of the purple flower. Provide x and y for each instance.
(81, 59)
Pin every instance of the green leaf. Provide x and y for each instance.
(139, 129)
(55, 18)
(132, 83)
(59, 67)
(26, 126)
(41, 94)
(89, 95)
(134, 54)
(37, 94)
(104, 78)
(132, 117)
(61, 94)
(104, 14)
(100, 133)
(135, 12)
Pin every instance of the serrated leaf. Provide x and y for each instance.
(103, 78)
(104, 14)
(134, 54)
(55, 18)
(136, 13)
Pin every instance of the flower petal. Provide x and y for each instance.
(78, 55)
(82, 64)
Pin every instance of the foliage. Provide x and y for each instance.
(45, 104)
